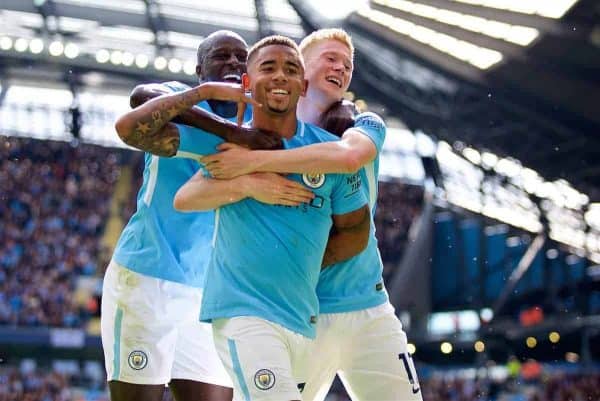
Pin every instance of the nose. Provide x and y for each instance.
(280, 75)
(233, 59)
(339, 67)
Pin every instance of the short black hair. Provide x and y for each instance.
(274, 40)
(209, 41)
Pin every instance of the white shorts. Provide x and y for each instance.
(267, 361)
(367, 348)
(151, 331)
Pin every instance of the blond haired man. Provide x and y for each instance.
(358, 335)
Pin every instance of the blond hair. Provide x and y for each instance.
(321, 35)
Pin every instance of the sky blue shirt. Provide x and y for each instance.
(266, 259)
(357, 283)
(159, 241)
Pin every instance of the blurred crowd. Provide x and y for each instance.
(54, 203)
(398, 205)
(570, 387)
(54, 200)
(33, 386)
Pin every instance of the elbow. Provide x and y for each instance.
(180, 203)
(122, 128)
(353, 164)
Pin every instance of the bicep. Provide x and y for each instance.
(362, 147)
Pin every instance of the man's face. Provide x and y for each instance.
(225, 61)
(329, 68)
(276, 79)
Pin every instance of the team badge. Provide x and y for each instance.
(137, 360)
(314, 180)
(264, 379)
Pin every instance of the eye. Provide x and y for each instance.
(242, 56)
(219, 56)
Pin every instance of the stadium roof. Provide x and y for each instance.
(516, 78)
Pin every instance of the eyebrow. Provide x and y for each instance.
(271, 62)
(334, 53)
(266, 63)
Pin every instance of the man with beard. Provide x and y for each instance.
(153, 286)
(359, 336)
(260, 294)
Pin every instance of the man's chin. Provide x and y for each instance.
(331, 94)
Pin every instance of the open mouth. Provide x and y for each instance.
(336, 81)
(235, 78)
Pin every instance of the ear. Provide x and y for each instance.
(199, 71)
(305, 88)
(245, 82)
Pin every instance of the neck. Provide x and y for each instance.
(311, 108)
(284, 125)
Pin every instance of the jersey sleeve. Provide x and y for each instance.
(371, 125)
(194, 142)
(347, 195)
(175, 86)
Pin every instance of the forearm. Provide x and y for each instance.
(329, 157)
(203, 193)
(345, 243)
(150, 117)
(194, 116)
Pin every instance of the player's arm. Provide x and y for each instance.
(143, 125)
(351, 219)
(199, 118)
(204, 193)
(358, 146)
(349, 236)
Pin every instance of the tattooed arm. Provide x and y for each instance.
(148, 126)
(167, 139)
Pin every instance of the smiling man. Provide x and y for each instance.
(260, 293)
(153, 286)
(359, 336)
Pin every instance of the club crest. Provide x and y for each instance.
(264, 379)
(137, 360)
(313, 180)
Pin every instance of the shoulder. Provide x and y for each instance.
(369, 119)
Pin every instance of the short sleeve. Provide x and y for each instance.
(175, 86)
(347, 195)
(371, 125)
(195, 143)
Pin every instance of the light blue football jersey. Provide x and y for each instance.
(159, 241)
(357, 283)
(266, 259)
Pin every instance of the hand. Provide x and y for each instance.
(231, 161)
(274, 189)
(229, 92)
(339, 117)
(254, 138)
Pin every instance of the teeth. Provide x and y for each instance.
(279, 92)
(232, 76)
(335, 81)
